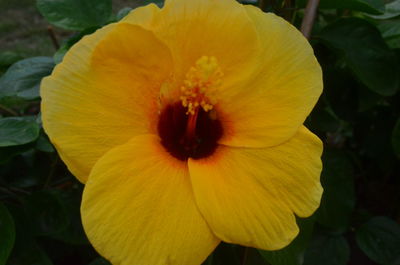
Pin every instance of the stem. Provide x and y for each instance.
(287, 3)
(4, 190)
(53, 37)
(8, 110)
(309, 17)
(13, 191)
(19, 190)
(245, 256)
(288, 10)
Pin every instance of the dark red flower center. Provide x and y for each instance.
(188, 135)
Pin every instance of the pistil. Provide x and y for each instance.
(190, 134)
(197, 97)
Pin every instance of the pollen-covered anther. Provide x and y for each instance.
(200, 84)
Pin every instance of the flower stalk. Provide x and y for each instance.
(309, 18)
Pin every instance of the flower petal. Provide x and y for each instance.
(285, 86)
(103, 93)
(196, 28)
(142, 16)
(138, 208)
(248, 195)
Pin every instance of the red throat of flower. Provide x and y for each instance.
(189, 127)
(190, 134)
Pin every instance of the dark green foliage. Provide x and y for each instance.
(18, 130)
(338, 199)
(379, 238)
(357, 43)
(23, 78)
(373, 63)
(75, 14)
(327, 249)
(368, 6)
(392, 10)
(47, 213)
(7, 234)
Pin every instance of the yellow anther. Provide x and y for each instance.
(200, 84)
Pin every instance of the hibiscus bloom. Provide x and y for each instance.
(185, 123)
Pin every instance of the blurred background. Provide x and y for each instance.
(357, 43)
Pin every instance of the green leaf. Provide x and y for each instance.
(367, 99)
(327, 249)
(18, 130)
(47, 213)
(34, 256)
(7, 58)
(73, 233)
(340, 92)
(26, 251)
(43, 144)
(100, 261)
(294, 253)
(225, 254)
(324, 120)
(22, 79)
(389, 28)
(396, 138)
(60, 53)
(365, 52)
(7, 234)
(75, 14)
(380, 240)
(394, 43)
(9, 152)
(391, 10)
(338, 199)
(369, 6)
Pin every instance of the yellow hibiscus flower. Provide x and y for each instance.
(185, 123)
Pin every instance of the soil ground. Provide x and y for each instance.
(23, 31)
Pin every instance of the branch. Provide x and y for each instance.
(309, 17)
(245, 256)
(53, 37)
(7, 110)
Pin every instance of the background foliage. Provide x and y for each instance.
(357, 43)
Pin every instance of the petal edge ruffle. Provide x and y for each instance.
(285, 84)
(249, 196)
(97, 99)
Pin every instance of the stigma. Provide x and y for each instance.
(200, 84)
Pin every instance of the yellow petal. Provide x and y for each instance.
(142, 16)
(280, 94)
(138, 208)
(196, 28)
(103, 93)
(248, 195)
